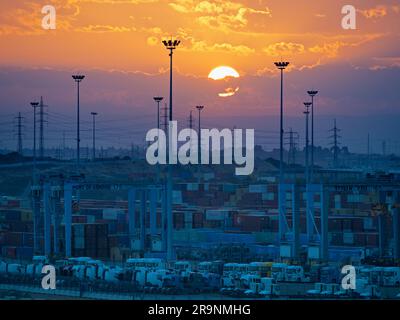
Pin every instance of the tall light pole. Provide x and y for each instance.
(199, 108)
(307, 113)
(170, 45)
(281, 66)
(312, 94)
(78, 79)
(94, 114)
(158, 100)
(34, 105)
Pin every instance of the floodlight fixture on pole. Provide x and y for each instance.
(282, 65)
(78, 78)
(312, 94)
(171, 45)
(307, 113)
(158, 101)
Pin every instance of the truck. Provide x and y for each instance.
(295, 274)
(35, 268)
(278, 271)
(262, 287)
(330, 274)
(391, 276)
(376, 275)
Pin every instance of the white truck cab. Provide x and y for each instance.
(278, 271)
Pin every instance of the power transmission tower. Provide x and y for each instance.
(41, 128)
(335, 143)
(293, 143)
(19, 125)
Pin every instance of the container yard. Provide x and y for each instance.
(225, 241)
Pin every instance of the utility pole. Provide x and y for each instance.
(94, 114)
(335, 144)
(41, 128)
(34, 105)
(19, 133)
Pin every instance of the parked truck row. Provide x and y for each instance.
(255, 279)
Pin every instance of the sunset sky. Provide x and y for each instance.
(117, 44)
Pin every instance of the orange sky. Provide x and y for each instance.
(117, 44)
(247, 35)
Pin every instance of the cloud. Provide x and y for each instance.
(373, 13)
(330, 50)
(223, 15)
(202, 46)
(284, 49)
(105, 28)
(153, 41)
(382, 63)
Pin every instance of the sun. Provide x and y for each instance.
(222, 72)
